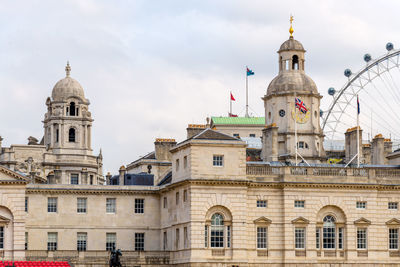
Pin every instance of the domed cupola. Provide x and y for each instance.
(292, 105)
(67, 88)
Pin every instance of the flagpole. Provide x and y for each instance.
(358, 134)
(247, 95)
(295, 127)
(230, 99)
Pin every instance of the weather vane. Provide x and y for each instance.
(291, 28)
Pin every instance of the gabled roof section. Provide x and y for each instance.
(209, 134)
(300, 220)
(362, 221)
(238, 121)
(7, 175)
(393, 221)
(262, 220)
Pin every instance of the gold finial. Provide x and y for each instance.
(291, 28)
(68, 69)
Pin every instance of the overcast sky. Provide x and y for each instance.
(149, 68)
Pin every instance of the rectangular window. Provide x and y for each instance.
(236, 135)
(1, 237)
(91, 179)
(261, 237)
(165, 241)
(228, 236)
(393, 238)
(51, 241)
(317, 237)
(111, 240)
(26, 204)
(261, 203)
(177, 164)
(74, 178)
(218, 160)
(139, 205)
(206, 236)
(361, 205)
(52, 204)
(110, 205)
(217, 236)
(252, 135)
(81, 205)
(165, 203)
(340, 238)
(139, 241)
(185, 162)
(361, 238)
(57, 135)
(185, 237)
(81, 241)
(393, 205)
(300, 237)
(26, 240)
(299, 203)
(177, 238)
(184, 195)
(177, 198)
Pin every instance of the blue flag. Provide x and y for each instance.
(249, 72)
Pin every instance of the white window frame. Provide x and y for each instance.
(304, 240)
(76, 176)
(262, 237)
(139, 241)
(362, 205)
(52, 207)
(218, 160)
(81, 205)
(111, 205)
(393, 205)
(396, 239)
(111, 241)
(362, 241)
(262, 203)
(300, 204)
(81, 241)
(52, 241)
(139, 205)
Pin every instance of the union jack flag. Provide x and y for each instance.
(300, 105)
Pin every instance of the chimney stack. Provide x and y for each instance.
(351, 144)
(162, 147)
(194, 129)
(108, 178)
(122, 171)
(378, 150)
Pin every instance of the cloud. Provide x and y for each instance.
(150, 68)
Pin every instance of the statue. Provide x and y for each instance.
(114, 258)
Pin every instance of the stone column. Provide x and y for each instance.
(84, 178)
(57, 175)
(52, 135)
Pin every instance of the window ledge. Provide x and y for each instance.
(218, 252)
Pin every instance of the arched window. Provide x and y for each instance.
(329, 232)
(71, 135)
(217, 231)
(218, 228)
(295, 62)
(72, 109)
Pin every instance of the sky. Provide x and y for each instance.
(149, 68)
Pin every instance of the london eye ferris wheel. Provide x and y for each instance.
(377, 86)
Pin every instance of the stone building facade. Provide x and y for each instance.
(206, 204)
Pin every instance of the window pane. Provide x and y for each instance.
(110, 205)
(317, 237)
(139, 205)
(299, 235)
(111, 239)
(218, 160)
(81, 205)
(393, 238)
(261, 203)
(1, 237)
(299, 203)
(217, 231)
(51, 241)
(340, 238)
(81, 241)
(74, 178)
(52, 204)
(139, 241)
(361, 238)
(261, 237)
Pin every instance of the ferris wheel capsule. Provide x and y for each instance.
(389, 46)
(331, 91)
(347, 73)
(367, 57)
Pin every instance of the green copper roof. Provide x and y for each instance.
(238, 120)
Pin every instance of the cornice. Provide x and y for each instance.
(91, 191)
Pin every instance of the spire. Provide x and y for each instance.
(291, 28)
(68, 69)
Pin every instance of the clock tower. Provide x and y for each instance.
(292, 109)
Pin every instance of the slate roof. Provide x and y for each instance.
(142, 178)
(238, 121)
(209, 134)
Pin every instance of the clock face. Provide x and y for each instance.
(282, 113)
(300, 117)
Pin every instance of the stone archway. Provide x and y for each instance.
(6, 232)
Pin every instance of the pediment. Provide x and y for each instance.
(4, 220)
(262, 220)
(362, 221)
(300, 220)
(393, 221)
(7, 175)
